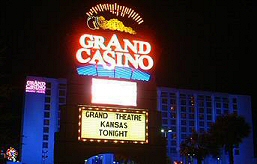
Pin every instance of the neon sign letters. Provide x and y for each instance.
(35, 86)
(114, 53)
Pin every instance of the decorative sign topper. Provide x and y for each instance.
(95, 22)
(114, 55)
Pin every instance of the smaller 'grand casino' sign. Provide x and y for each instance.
(114, 51)
(35, 86)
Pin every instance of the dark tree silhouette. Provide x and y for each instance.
(229, 130)
(198, 146)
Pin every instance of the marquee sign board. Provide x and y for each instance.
(113, 125)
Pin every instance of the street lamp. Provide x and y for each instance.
(166, 131)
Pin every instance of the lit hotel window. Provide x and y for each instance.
(173, 108)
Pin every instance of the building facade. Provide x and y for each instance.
(41, 118)
(184, 111)
(50, 125)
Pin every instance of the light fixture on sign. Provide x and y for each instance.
(114, 92)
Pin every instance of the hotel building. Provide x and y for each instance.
(186, 110)
(43, 99)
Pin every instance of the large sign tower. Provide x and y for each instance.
(112, 96)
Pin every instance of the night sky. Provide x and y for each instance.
(206, 45)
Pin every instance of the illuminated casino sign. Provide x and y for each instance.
(113, 125)
(114, 51)
(35, 86)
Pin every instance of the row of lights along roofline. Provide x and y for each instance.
(117, 10)
(111, 110)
